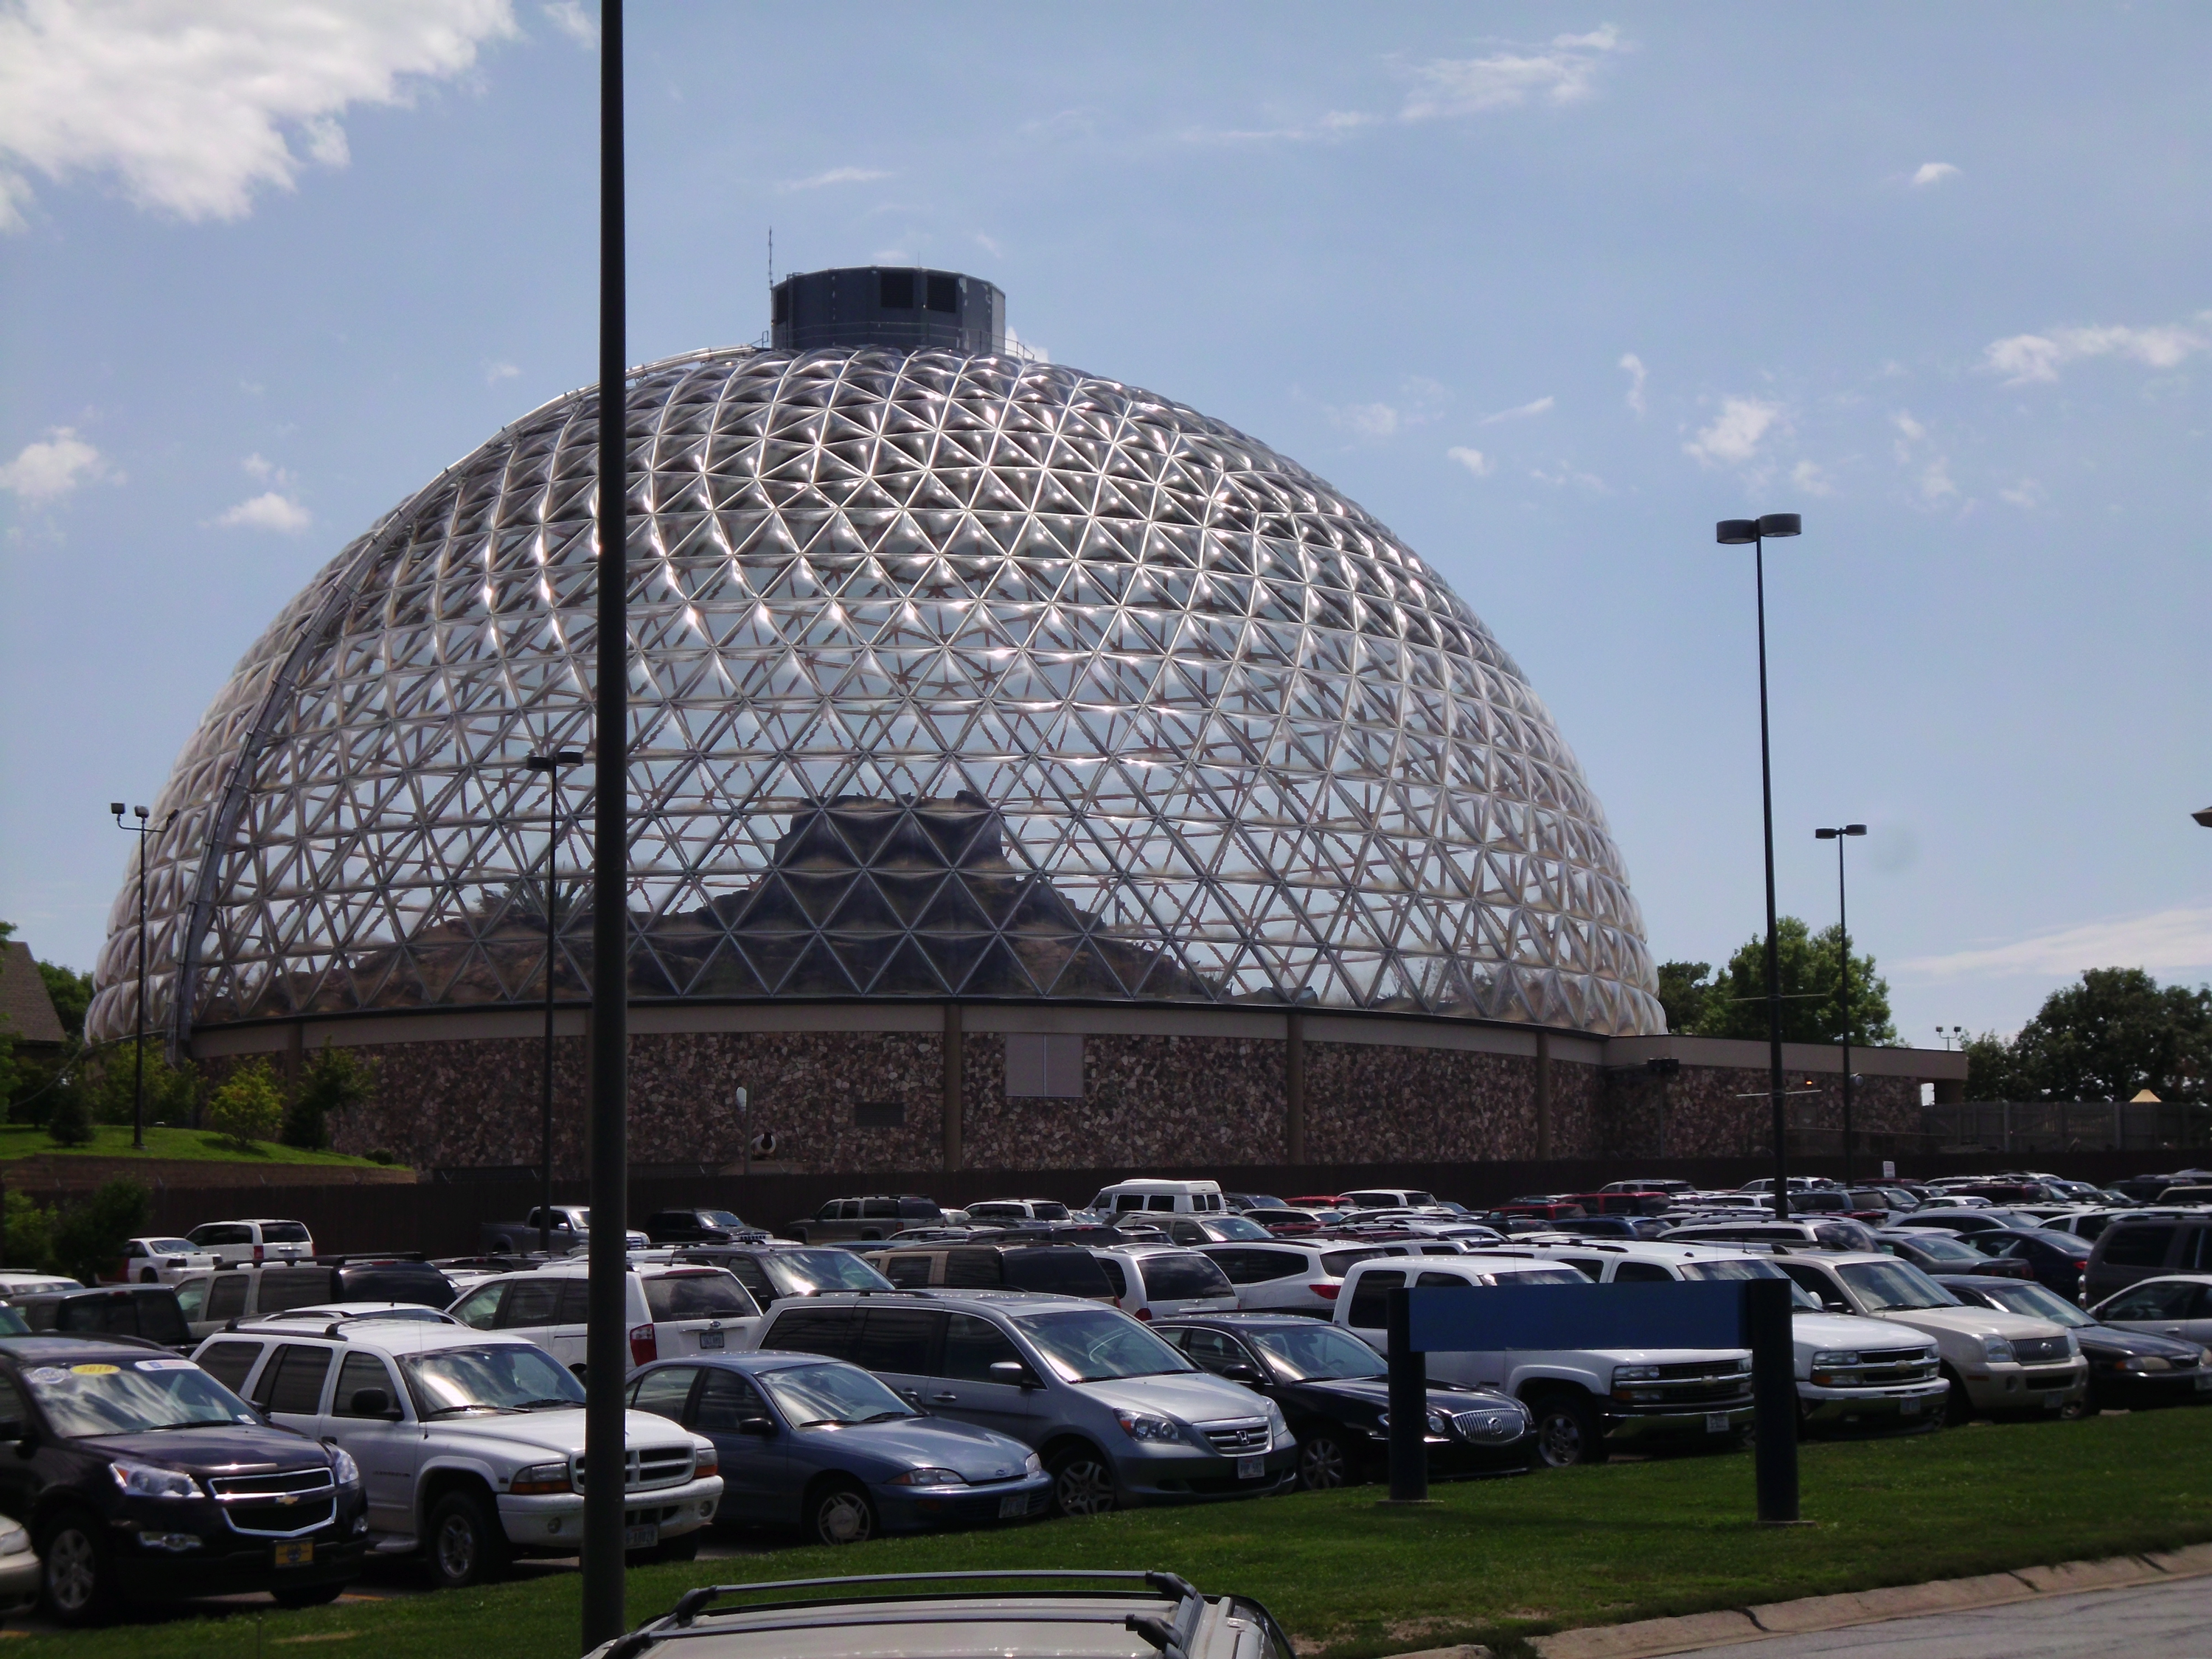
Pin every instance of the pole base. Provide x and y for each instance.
(1408, 1503)
(1764, 1521)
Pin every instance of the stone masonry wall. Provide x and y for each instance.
(1722, 1112)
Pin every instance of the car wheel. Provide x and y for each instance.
(466, 1544)
(1323, 1463)
(1567, 1432)
(2074, 1410)
(686, 1548)
(308, 1596)
(149, 1276)
(1082, 1483)
(840, 1513)
(1958, 1405)
(76, 1571)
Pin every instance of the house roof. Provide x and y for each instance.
(27, 1012)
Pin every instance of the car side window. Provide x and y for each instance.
(1641, 1272)
(899, 1340)
(752, 1277)
(229, 1362)
(361, 1371)
(828, 1211)
(664, 1392)
(1814, 1281)
(725, 1400)
(530, 1302)
(909, 1270)
(191, 1296)
(2195, 1249)
(1184, 1231)
(480, 1307)
(972, 1347)
(11, 1402)
(575, 1307)
(833, 1332)
(1370, 1298)
(293, 1381)
(227, 1297)
(880, 1209)
(1112, 1268)
(2137, 1247)
(1213, 1350)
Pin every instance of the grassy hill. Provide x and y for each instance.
(165, 1145)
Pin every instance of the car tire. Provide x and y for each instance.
(76, 1570)
(149, 1276)
(1082, 1482)
(1324, 1462)
(838, 1512)
(1958, 1405)
(464, 1543)
(1567, 1432)
(308, 1596)
(686, 1548)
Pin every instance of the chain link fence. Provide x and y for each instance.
(2065, 1126)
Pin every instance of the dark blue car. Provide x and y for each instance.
(821, 1444)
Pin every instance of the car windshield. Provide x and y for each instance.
(168, 1246)
(1887, 1286)
(802, 1273)
(1234, 1228)
(720, 1218)
(1799, 1299)
(507, 1376)
(1092, 1346)
(1940, 1249)
(13, 1323)
(1319, 1354)
(132, 1397)
(832, 1396)
(704, 1293)
(2023, 1296)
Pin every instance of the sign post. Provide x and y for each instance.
(1409, 1405)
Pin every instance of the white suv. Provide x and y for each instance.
(1158, 1281)
(472, 1446)
(672, 1310)
(1289, 1275)
(252, 1242)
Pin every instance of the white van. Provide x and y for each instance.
(1160, 1197)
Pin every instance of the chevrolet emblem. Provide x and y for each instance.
(286, 1499)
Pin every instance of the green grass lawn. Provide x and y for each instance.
(189, 1145)
(1495, 1560)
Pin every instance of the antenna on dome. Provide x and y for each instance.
(771, 256)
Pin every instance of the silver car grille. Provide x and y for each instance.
(1490, 1425)
(654, 1465)
(1231, 1438)
(282, 1505)
(2039, 1350)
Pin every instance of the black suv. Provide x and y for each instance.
(147, 1311)
(699, 1227)
(141, 1477)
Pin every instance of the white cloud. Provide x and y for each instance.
(1813, 479)
(1935, 485)
(834, 176)
(1736, 434)
(45, 471)
(1522, 413)
(1371, 420)
(2021, 358)
(1419, 401)
(1933, 172)
(194, 105)
(1568, 475)
(1904, 422)
(267, 511)
(2161, 940)
(2027, 495)
(1560, 72)
(989, 246)
(1472, 460)
(1020, 348)
(494, 372)
(569, 17)
(1634, 365)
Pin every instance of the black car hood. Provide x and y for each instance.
(242, 1448)
(1375, 1391)
(2105, 1338)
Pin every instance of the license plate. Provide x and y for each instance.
(302, 1554)
(2204, 1382)
(640, 1538)
(1251, 1468)
(1908, 1408)
(2051, 1402)
(1013, 1503)
(710, 1339)
(1716, 1423)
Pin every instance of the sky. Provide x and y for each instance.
(1548, 289)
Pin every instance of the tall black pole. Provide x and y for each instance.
(607, 1354)
(545, 1105)
(1843, 997)
(1773, 943)
(138, 1059)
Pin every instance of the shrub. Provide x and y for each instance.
(335, 1080)
(247, 1108)
(29, 1245)
(70, 1120)
(88, 1236)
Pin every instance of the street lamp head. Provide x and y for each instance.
(2203, 817)
(1854, 829)
(115, 808)
(1780, 524)
(557, 759)
(1736, 532)
(139, 812)
(1825, 835)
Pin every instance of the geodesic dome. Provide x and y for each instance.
(952, 676)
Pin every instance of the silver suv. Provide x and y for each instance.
(1119, 1416)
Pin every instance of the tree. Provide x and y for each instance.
(30, 1233)
(335, 1080)
(248, 1107)
(171, 1091)
(69, 1118)
(2113, 1033)
(88, 1236)
(1684, 988)
(1811, 965)
(70, 993)
(1990, 1072)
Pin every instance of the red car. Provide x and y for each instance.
(1543, 1209)
(1645, 1203)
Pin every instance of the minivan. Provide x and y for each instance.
(212, 1299)
(1053, 1269)
(2137, 1247)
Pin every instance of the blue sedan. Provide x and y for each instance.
(823, 1445)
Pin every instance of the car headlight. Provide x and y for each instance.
(343, 1469)
(2072, 1346)
(929, 1478)
(1997, 1350)
(1278, 1428)
(1439, 1423)
(149, 1480)
(15, 1540)
(2146, 1363)
(1143, 1425)
(705, 1461)
(1033, 1464)
(540, 1478)
(1634, 1374)
(1833, 1359)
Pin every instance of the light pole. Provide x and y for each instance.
(1735, 533)
(142, 829)
(550, 765)
(1839, 835)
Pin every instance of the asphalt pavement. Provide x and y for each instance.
(2149, 1621)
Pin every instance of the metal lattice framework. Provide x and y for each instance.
(952, 676)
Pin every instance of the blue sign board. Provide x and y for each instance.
(1680, 1313)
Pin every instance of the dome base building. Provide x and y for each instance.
(1027, 772)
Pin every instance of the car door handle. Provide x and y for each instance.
(947, 1399)
(912, 1396)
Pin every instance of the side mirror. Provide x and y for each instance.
(1247, 1374)
(372, 1403)
(1014, 1374)
(763, 1426)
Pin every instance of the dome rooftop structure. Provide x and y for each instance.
(956, 674)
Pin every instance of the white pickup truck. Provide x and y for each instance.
(1585, 1401)
(471, 1445)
